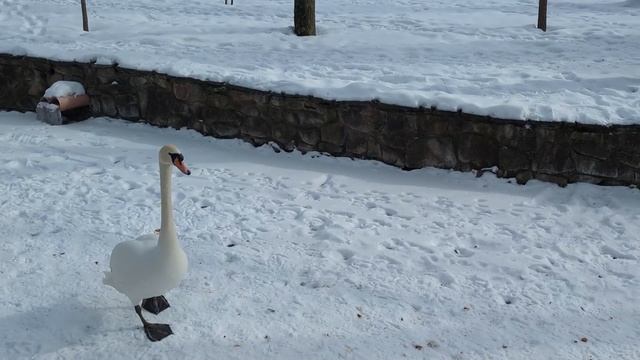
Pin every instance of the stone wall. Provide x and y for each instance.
(404, 137)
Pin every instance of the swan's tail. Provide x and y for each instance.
(107, 278)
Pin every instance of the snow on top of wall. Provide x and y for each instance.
(64, 88)
(478, 57)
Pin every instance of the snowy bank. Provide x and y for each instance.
(405, 137)
(307, 257)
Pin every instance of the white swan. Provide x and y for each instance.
(146, 268)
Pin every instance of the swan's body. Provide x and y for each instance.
(144, 268)
(151, 265)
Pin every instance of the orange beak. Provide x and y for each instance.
(182, 166)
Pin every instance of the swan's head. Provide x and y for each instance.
(170, 155)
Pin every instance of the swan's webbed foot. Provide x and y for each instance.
(154, 332)
(157, 332)
(155, 305)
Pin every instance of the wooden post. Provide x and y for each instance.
(85, 18)
(542, 15)
(304, 17)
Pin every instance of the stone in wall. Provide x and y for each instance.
(355, 143)
(512, 161)
(476, 151)
(434, 152)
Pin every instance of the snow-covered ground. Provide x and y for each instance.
(305, 256)
(483, 56)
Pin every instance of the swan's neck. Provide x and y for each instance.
(167, 226)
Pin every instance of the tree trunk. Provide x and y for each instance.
(542, 15)
(304, 17)
(85, 18)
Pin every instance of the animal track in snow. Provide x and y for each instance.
(615, 254)
(389, 259)
(462, 252)
(346, 254)
(316, 280)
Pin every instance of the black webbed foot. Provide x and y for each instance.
(157, 332)
(155, 305)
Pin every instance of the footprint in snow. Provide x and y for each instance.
(389, 260)
(382, 223)
(346, 254)
(509, 300)
(446, 279)
(615, 254)
(462, 252)
(316, 280)
(131, 185)
(230, 257)
(387, 245)
(421, 247)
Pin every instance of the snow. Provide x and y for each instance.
(482, 57)
(64, 88)
(306, 256)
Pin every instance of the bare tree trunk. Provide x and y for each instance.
(542, 15)
(304, 17)
(85, 18)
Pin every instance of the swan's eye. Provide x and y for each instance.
(176, 156)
